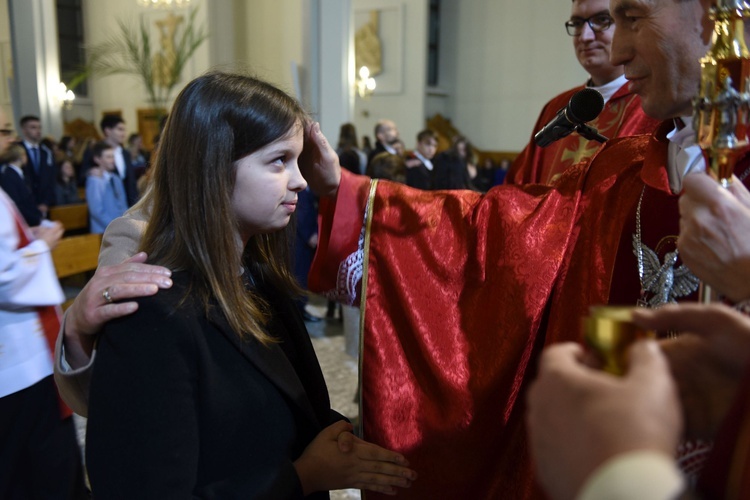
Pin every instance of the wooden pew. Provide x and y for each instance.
(74, 217)
(76, 255)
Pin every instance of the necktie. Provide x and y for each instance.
(35, 158)
(114, 187)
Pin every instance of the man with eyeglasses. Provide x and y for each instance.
(591, 27)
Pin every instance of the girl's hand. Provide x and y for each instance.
(336, 459)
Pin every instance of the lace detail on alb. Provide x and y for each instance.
(350, 272)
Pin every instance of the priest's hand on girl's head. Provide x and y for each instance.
(319, 163)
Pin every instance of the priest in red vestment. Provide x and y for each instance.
(591, 28)
(459, 292)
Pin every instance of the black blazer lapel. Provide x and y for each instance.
(271, 361)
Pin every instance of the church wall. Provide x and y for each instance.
(510, 58)
(273, 32)
(500, 61)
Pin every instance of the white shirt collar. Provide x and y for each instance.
(390, 148)
(18, 170)
(120, 161)
(685, 155)
(608, 89)
(427, 163)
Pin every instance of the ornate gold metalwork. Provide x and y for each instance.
(721, 108)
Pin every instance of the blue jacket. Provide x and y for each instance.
(107, 200)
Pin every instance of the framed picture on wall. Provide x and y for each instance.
(379, 42)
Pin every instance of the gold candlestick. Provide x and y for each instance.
(721, 109)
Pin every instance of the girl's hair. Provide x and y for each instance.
(387, 166)
(217, 119)
(348, 137)
(64, 142)
(59, 166)
(13, 154)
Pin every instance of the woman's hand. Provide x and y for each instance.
(91, 310)
(336, 459)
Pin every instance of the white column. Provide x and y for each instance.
(36, 65)
(330, 64)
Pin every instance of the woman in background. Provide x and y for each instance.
(66, 189)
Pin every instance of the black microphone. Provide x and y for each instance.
(584, 106)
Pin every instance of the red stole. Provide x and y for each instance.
(49, 317)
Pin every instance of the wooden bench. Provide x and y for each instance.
(76, 255)
(74, 217)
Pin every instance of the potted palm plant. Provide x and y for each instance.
(132, 50)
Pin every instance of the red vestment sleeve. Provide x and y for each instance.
(456, 288)
(340, 222)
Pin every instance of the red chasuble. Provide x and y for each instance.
(456, 290)
(462, 291)
(622, 116)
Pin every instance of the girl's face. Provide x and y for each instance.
(67, 170)
(266, 187)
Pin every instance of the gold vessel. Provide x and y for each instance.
(609, 331)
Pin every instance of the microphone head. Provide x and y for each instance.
(585, 105)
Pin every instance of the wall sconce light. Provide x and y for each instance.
(163, 4)
(365, 83)
(65, 96)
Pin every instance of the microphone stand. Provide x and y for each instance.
(590, 133)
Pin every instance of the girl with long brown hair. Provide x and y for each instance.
(212, 388)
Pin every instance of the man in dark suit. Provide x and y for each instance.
(13, 183)
(419, 164)
(451, 166)
(386, 134)
(39, 172)
(113, 129)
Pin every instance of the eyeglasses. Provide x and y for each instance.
(597, 23)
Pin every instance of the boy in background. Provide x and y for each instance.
(419, 163)
(105, 194)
